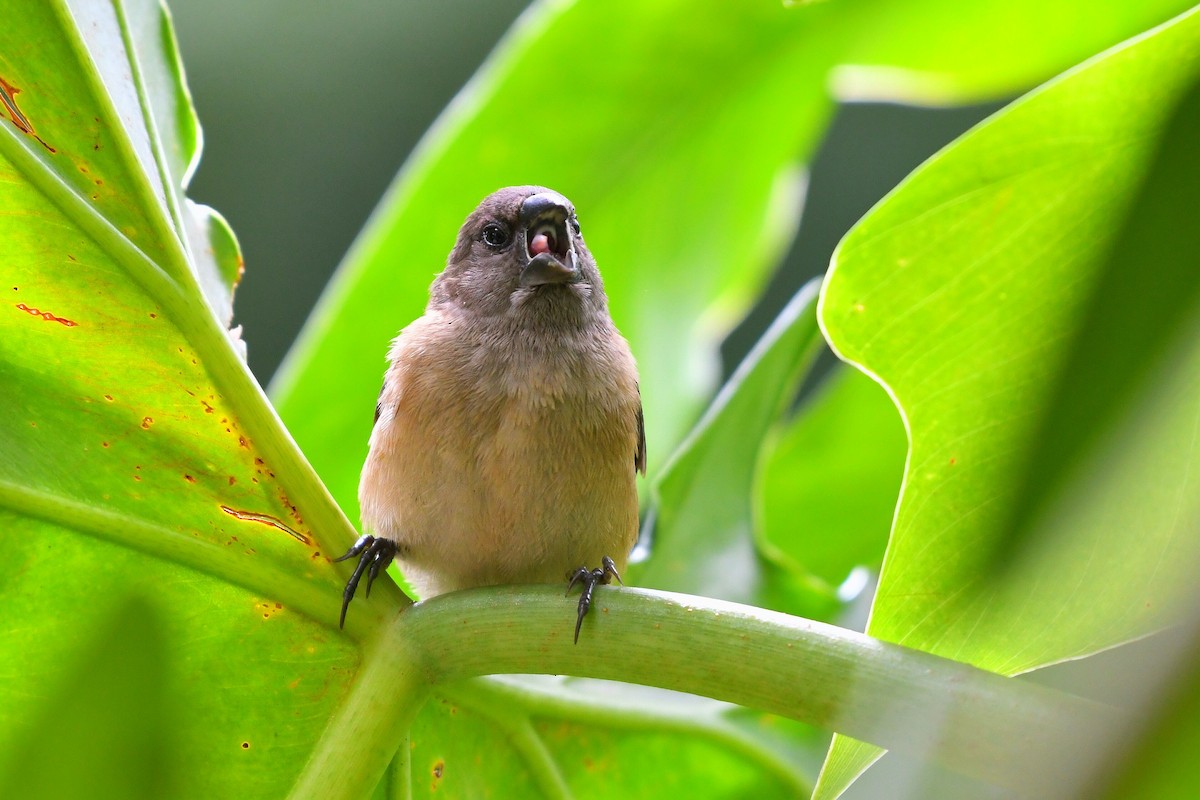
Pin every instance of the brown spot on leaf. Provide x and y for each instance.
(147, 422)
(189, 479)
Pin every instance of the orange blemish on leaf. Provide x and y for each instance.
(266, 519)
(8, 100)
(46, 315)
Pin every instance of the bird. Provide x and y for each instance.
(509, 430)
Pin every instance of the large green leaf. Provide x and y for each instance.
(677, 129)
(962, 292)
(138, 453)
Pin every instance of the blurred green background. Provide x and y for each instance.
(309, 109)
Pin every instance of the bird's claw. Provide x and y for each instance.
(374, 555)
(590, 579)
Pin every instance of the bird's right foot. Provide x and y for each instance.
(374, 554)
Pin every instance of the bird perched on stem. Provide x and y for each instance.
(509, 428)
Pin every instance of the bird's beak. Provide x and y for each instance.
(547, 241)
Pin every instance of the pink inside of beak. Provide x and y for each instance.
(539, 244)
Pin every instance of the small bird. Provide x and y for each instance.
(509, 428)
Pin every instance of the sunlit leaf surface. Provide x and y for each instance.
(964, 292)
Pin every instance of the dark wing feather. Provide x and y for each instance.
(639, 458)
(379, 402)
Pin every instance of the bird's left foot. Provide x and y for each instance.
(590, 579)
(372, 552)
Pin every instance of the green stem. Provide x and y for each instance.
(401, 771)
(1001, 730)
(370, 724)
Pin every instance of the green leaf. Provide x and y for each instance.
(1137, 349)
(117, 683)
(830, 481)
(139, 454)
(1144, 303)
(703, 540)
(943, 51)
(575, 737)
(963, 291)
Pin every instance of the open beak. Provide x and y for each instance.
(549, 247)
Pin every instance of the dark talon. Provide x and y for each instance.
(590, 578)
(372, 552)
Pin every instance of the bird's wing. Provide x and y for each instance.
(639, 458)
(379, 401)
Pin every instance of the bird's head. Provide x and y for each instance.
(520, 253)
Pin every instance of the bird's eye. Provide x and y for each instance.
(495, 235)
(575, 224)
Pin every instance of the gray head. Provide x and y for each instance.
(520, 255)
